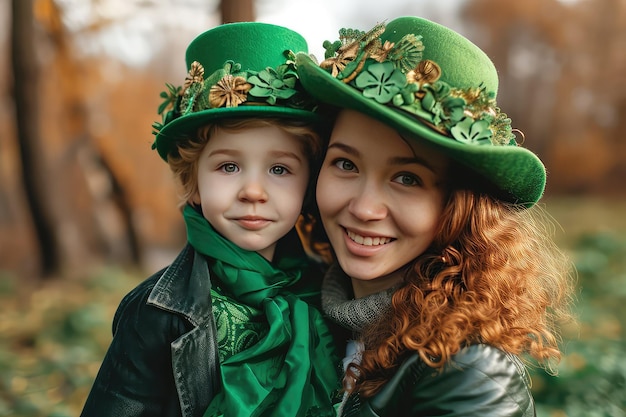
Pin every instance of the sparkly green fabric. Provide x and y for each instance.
(238, 326)
(291, 370)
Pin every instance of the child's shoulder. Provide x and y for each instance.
(136, 317)
(137, 297)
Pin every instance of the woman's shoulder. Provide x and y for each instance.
(492, 361)
(479, 380)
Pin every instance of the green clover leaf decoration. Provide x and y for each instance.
(331, 48)
(381, 81)
(472, 132)
(432, 105)
(273, 84)
(454, 108)
(406, 96)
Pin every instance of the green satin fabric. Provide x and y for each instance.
(291, 371)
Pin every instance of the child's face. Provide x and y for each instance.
(251, 185)
(380, 201)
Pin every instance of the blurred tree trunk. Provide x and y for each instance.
(237, 11)
(33, 162)
(79, 210)
(93, 204)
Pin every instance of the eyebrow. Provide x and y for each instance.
(275, 154)
(397, 160)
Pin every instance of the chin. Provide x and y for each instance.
(362, 274)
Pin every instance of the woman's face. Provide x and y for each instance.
(380, 201)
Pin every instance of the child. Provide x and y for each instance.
(445, 273)
(227, 328)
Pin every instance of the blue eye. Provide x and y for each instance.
(279, 170)
(344, 164)
(229, 168)
(409, 180)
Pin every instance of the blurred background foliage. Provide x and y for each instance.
(87, 210)
(592, 375)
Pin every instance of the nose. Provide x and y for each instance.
(253, 191)
(368, 205)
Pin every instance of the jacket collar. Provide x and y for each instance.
(184, 287)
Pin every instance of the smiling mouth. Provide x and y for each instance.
(252, 222)
(252, 218)
(368, 240)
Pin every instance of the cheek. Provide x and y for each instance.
(295, 186)
(421, 220)
(215, 190)
(205, 185)
(326, 193)
(303, 184)
(288, 196)
(297, 193)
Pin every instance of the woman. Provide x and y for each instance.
(445, 273)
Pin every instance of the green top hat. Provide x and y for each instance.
(242, 69)
(434, 86)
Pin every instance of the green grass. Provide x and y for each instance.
(592, 375)
(52, 339)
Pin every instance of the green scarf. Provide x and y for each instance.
(292, 370)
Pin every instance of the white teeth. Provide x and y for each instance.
(367, 240)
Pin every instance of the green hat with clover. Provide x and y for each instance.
(434, 86)
(236, 70)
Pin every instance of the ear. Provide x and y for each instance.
(194, 200)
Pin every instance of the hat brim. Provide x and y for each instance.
(186, 126)
(517, 172)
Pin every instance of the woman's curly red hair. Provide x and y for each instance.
(492, 275)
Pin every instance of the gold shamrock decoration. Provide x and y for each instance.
(195, 75)
(230, 91)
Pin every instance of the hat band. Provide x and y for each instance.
(395, 74)
(230, 87)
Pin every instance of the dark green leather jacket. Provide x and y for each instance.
(163, 359)
(480, 381)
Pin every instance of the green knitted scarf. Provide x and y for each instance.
(292, 370)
